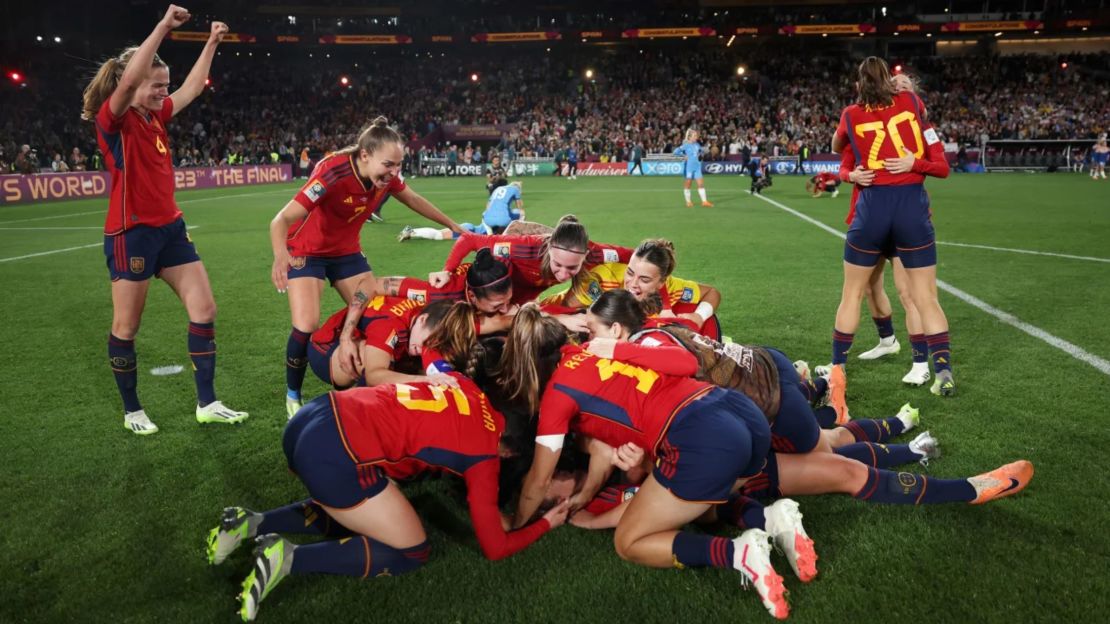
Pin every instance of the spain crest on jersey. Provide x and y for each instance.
(502, 250)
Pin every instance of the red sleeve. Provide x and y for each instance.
(556, 412)
(397, 184)
(467, 244)
(847, 164)
(312, 193)
(600, 253)
(934, 164)
(842, 128)
(481, 496)
(382, 333)
(663, 358)
(108, 122)
(166, 114)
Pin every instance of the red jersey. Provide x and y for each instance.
(384, 325)
(620, 400)
(423, 292)
(877, 133)
(525, 254)
(934, 164)
(137, 153)
(338, 203)
(407, 429)
(824, 178)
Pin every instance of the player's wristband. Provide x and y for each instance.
(704, 310)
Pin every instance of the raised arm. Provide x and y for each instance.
(142, 60)
(424, 208)
(194, 82)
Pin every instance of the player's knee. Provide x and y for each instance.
(125, 329)
(204, 311)
(622, 543)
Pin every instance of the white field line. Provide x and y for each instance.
(1075, 351)
(1026, 251)
(58, 251)
(185, 201)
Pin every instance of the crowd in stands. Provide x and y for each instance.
(261, 109)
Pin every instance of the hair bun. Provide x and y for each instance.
(568, 219)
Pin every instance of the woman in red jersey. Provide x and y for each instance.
(538, 261)
(701, 438)
(891, 217)
(933, 164)
(347, 446)
(316, 235)
(144, 234)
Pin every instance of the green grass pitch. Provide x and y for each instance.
(101, 525)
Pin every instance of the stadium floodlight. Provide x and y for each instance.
(15, 76)
(589, 74)
(207, 82)
(741, 70)
(57, 39)
(1064, 65)
(998, 34)
(38, 38)
(345, 81)
(473, 77)
(897, 69)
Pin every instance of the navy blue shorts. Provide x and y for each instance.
(319, 359)
(334, 268)
(712, 442)
(892, 221)
(765, 485)
(795, 429)
(143, 251)
(316, 454)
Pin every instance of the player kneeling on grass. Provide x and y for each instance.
(346, 446)
(823, 182)
(505, 206)
(144, 233)
(701, 438)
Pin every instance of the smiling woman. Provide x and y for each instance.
(316, 236)
(144, 232)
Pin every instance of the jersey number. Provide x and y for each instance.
(437, 403)
(644, 377)
(358, 210)
(873, 161)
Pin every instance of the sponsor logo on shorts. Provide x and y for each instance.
(610, 255)
(315, 190)
(502, 250)
(299, 262)
(419, 296)
(138, 264)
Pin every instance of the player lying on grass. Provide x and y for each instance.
(347, 446)
(649, 276)
(701, 438)
(316, 235)
(538, 261)
(801, 475)
(764, 375)
(144, 232)
(505, 205)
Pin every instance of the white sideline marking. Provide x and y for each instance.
(47, 253)
(57, 251)
(186, 201)
(1026, 251)
(1075, 351)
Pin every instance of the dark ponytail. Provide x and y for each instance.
(488, 276)
(875, 85)
(620, 306)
